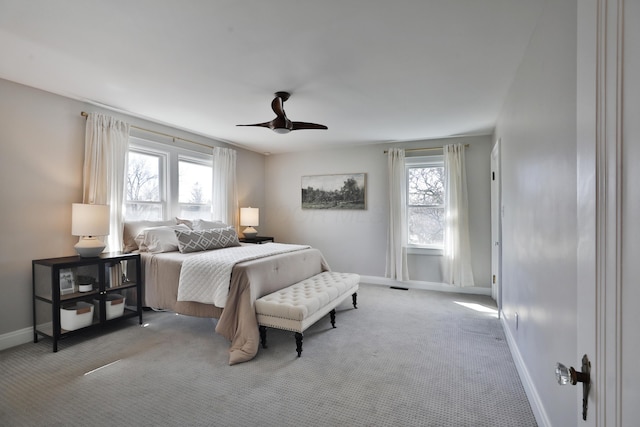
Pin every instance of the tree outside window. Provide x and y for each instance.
(425, 204)
(194, 193)
(167, 182)
(143, 190)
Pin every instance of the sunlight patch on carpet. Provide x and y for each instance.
(479, 308)
(101, 367)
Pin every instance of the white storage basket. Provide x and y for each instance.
(76, 316)
(114, 305)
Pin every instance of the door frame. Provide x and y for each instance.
(599, 210)
(496, 227)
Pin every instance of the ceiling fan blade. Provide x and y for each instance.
(277, 105)
(305, 125)
(264, 125)
(281, 124)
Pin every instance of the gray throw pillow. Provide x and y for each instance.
(204, 240)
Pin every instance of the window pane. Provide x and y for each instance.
(143, 196)
(426, 185)
(143, 178)
(188, 211)
(143, 211)
(194, 183)
(426, 225)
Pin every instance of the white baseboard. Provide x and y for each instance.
(15, 338)
(529, 388)
(429, 286)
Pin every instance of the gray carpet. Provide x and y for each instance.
(403, 358)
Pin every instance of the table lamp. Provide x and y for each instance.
(249, 217)
(88, 222)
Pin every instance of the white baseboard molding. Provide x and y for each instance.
(529, 388)
(429, 286)
(15, 338)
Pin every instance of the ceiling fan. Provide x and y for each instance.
(281, 124)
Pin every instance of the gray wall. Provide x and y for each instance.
(355, 241)
(41, 156)
(537, 129)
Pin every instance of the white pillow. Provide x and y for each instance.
(159, 239)
(186, 222)
(133, 228)
(201, 224)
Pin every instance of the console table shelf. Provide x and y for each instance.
(72, 294)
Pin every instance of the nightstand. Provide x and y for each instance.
(258, 240)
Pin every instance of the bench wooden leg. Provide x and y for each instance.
(354, 298)
(263, 335)
(299, 343)
(332, 313)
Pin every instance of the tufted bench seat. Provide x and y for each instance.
(300, 305)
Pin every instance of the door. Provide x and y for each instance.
(608, 105)
(496, 226)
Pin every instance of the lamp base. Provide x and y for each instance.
(89, 247)
(250, 233)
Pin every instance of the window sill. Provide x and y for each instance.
(417, 250)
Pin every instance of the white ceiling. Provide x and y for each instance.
(373, 71)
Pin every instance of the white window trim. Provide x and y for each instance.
(199, 160)
(424, 250)
(169, 176)
(427, 161)
(162, 171)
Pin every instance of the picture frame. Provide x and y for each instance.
(335, 191)
(67, 282)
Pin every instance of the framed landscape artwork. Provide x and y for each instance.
(343, 191)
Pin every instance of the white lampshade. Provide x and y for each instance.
(249, 217)
(89, 221)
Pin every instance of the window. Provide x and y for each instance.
(425, 201)
(194, 188)
(145, 185)
(164, 181)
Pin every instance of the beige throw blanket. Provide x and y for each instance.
(206, 276)
(252, 280)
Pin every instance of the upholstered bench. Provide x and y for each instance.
(300, 305)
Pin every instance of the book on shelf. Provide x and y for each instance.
(114, 275)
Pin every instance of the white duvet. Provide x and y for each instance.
(205, 277)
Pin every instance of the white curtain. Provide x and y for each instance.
(106, 146)
(397, 234)
(457, 251)
(224, 198)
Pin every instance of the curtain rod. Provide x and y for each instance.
(173, 138)
(425, 149)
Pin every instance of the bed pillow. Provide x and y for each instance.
(204, 240)
(133, 228)
(159, 239)
(201, 224)
(186, 222)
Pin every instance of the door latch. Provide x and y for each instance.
(571, 376)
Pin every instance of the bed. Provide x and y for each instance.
(249, 280)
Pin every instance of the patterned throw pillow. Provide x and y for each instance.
(204, 240)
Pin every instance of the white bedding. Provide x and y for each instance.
(205, 277)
